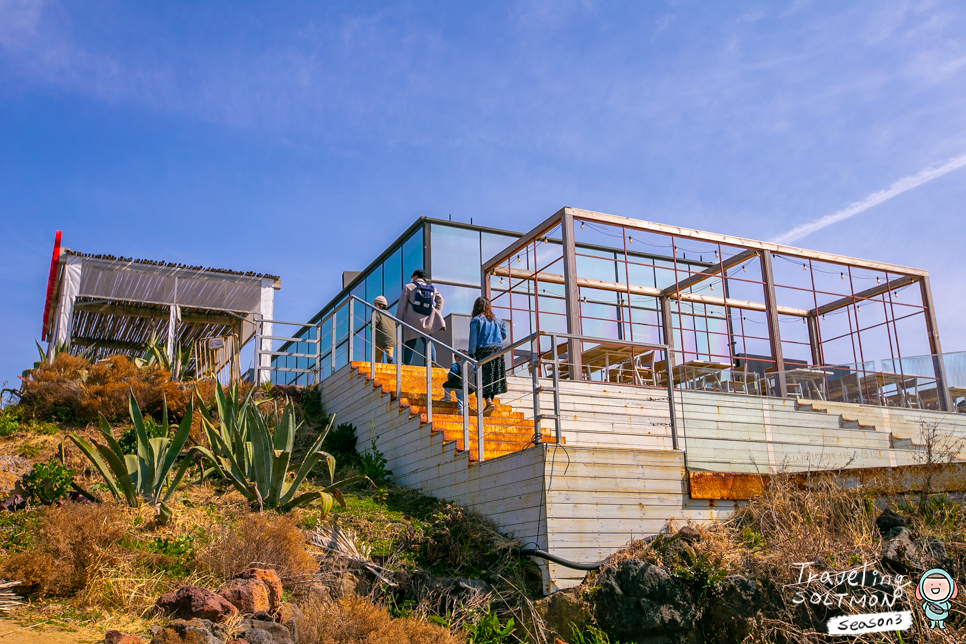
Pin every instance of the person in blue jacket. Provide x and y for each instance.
(487, 333)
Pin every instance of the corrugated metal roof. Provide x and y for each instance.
(150, 262)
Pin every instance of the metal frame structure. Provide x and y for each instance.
(679, 300)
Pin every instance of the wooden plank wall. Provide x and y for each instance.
(601, 414)
(599, 499)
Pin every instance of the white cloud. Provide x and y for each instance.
(874, 199)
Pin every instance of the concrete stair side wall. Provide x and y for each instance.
(508, 490)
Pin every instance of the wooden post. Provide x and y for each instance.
(771, 312)
(932, 330)
(571, 292)
(815, 340)
(668, 328)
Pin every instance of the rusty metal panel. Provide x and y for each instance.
(725, 485)
(947, 477)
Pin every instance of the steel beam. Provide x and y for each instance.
(771, 313)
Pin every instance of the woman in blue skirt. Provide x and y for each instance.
(487, 333)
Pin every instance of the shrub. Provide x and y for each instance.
(257, 540)
(373, 465)
(9, 421)
(70, 544)
(341, 443)
(48, 482)
(129, 438)
(354, 620)
(72, 388)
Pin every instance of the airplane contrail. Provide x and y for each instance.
(897, 188)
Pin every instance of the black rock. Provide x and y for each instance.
(640, 602)
(731, 609)
(889, 520)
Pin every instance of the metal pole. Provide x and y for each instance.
(398, 361)
(318, 353)
(466, 404)
(352, 326)
(334, 318)
(670, 399)
(429, 383)
(556, 389)
(258, 345)
(534, 373)
(372, 345)
(939, 368)
(479, 412)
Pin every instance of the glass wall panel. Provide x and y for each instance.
(457, 299)
(412, 255)
(393, 277)
(374, 284)
(455, 254)
(491, 244)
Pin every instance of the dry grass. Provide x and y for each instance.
(354, 620)
(816, 521)
(73, 543)
(270, 541)
(72, 388)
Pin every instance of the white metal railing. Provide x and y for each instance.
(538, 360)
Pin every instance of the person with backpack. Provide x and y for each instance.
(420, 306)
(487, 333)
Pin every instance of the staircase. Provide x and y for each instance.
(505, 430)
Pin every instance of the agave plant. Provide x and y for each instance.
(145, 476)
(155, 352)
(255, 459)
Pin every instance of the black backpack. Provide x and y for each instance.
(423, 299)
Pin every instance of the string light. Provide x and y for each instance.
(803, 321)
(805, 267)
(581, 225)
(715, 253)
(823, 316)
(842, 276)
(876, 280)
(630, 240)
(712, 287)
(744, 269)
(518, 259)
(858, 308)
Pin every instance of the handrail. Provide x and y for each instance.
(408, 326)
(537, 360)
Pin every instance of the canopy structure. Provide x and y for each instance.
(725, 301)
(118, 305)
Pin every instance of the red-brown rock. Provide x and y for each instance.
(249, 596)
(189, 602)
(117, 637)
(271, 581)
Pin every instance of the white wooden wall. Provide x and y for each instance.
(508, 490)
(616, 477)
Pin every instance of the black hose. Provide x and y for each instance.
(533, 552)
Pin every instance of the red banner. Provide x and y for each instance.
(51, 280)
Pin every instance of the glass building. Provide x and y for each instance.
(452, 254)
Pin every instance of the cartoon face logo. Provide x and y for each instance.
(936, 590)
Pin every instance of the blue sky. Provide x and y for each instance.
(301, 138)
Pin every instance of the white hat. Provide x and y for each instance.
(380, 301)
